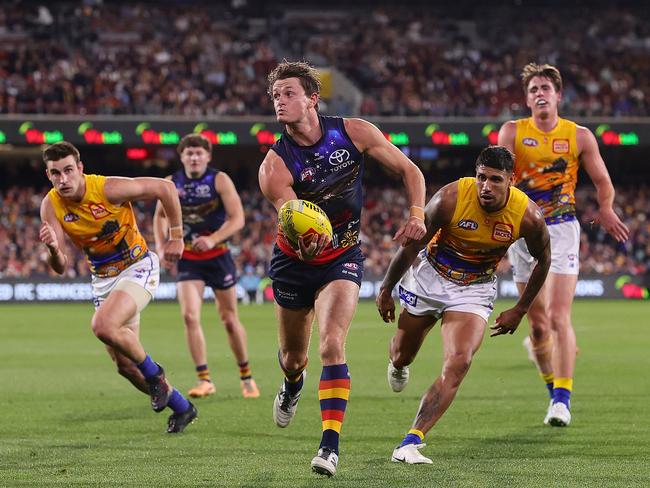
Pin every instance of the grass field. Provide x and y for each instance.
(68, 420)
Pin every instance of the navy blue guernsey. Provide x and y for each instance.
(203, 211)
(328, 174)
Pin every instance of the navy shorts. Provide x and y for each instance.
(295, 283)
(218, 273)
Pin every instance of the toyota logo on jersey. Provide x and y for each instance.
(339, 156)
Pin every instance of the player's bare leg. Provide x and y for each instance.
(126, 367)
(541, 335)
(113, 325)
(294, 332)
(462, 334)
(562, 289)
(335, 305)
(227, 307)
(404, 346)
(190, 297)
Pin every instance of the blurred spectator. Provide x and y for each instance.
(209, 59)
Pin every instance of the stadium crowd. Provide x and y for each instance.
(172, 58)
(21, 256)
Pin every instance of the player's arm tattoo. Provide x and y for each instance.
(539, 246)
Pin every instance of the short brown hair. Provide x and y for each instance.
(306, 73)
(545, 71)
(194, 140)
(60, 150)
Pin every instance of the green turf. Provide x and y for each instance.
(68, 420)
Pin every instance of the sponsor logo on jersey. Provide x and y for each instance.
(70, 217)
(136, 251)
(560, 146)
(98, 210)
(468, 224)
(502, 232)
(307, 174)
(339, 156)
(407, 296)
(529, 141)
(202, 190)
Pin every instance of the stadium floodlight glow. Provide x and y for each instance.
(397, 138)
(150, 136)
(611, 138)
(93, 136)
(263, 135)
(35, 136)
(219, 138)
(491, 132)
(442, 138)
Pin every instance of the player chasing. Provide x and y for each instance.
(548, 151)
(470, 225)
(96, 213)
(212, 213)
(320, 159)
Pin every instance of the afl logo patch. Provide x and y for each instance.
(352, 266)
(468, 224)
(502, 232)
(560, 146)
(529, 141)
(339, 156)
(70, 217)
(307, 174)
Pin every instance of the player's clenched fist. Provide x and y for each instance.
(413, 230)
(173, 250)
(48, 236)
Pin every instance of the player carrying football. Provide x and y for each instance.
(320, 159)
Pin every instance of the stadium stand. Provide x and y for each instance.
(172, 58)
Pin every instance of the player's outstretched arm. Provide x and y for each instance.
(534, 231)
(597, 171)
(438, 212)
(52, 235)
(369, 139)
(119, 190)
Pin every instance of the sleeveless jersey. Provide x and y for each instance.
(328, 174)
(546, 168)
(468, 249)
(203, 212)
(108, 234)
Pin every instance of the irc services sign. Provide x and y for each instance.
(589, 286)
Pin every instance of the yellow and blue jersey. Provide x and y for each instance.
(107, 234)
(468, 249)
(546, 167)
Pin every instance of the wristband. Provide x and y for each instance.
(417, 212)
(176, 233)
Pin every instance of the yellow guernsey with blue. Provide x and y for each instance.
(546, 168)
(108, 234)
(469, 248)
